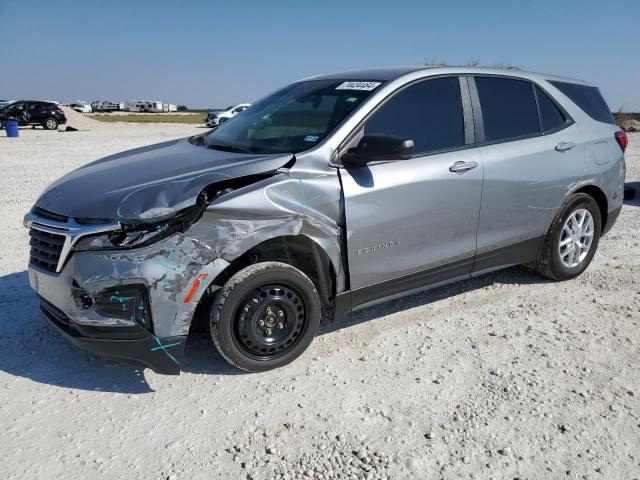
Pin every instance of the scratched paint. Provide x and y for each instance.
(121, 299)
(165, 348)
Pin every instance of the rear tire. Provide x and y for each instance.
(572, 239)
(50, 123)
(265, 316)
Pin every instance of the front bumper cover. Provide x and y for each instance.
(173, 274)
(131, 344)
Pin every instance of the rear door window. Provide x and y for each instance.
(508, 108)
(550, 116)
(588, 99)
(429, 113)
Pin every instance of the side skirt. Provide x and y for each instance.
(514, 254)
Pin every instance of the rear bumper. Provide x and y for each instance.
(130, 344)
(612, 216)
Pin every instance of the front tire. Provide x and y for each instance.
(265, 316)
(50, 123)
(572, 239)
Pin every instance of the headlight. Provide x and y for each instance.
(127, 237)
(141, 234)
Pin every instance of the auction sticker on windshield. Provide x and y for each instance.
(351, 85)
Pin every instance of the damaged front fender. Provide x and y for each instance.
(284, 205)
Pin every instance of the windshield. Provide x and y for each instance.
(293, 119)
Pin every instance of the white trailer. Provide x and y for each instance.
(106, 106)
(145, 106)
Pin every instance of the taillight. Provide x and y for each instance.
(622, 140)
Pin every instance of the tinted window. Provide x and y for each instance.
(508, 108)
(550, 116)
(429, 113)
(588, 99)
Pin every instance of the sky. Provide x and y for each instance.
(215, 53)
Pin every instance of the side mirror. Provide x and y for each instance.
(374, 148)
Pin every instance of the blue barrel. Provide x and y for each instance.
(11, 126)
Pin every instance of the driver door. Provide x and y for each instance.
(412, 223)
(17, 111)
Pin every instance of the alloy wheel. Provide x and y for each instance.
(576, 238)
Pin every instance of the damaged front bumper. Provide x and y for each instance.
(131, 344)
(134, 305)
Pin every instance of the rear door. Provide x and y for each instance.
(532, 154)
(413, 222)
(36, 112)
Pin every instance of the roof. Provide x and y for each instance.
(383, 74)
(33, 101)
(393, 73)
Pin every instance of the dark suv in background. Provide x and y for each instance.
(30, 112)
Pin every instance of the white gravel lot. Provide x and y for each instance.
(506, 376)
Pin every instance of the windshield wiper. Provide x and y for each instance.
(229, 148)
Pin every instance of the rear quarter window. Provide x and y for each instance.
(588, 99)
(551, 117)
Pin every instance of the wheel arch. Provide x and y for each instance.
(600, 197)
(299, 251)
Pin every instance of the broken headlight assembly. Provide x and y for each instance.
(141, 234)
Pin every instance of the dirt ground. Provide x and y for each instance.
(505, 376)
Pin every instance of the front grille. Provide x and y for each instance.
(45, 248)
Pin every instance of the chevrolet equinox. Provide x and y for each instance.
(332, 194)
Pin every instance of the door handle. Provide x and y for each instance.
(565, 146)
(461, 167)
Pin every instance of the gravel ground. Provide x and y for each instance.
(504, 376)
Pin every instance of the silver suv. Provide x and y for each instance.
(331, 194)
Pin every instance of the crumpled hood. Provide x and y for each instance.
(149, 182)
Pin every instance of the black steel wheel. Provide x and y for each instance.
(265, 316)
(269, 320)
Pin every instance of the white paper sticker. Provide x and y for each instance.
(353, 85)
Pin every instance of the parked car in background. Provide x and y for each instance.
(34, 112)
(331, 194)
(214, 118)
(81, 107)
(4, 103)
